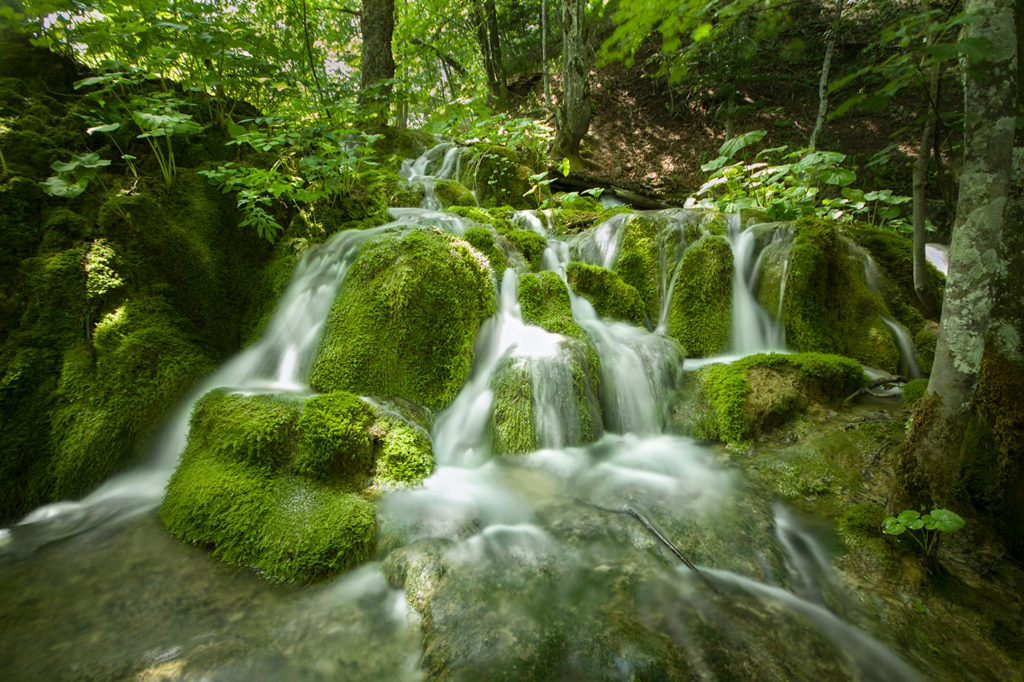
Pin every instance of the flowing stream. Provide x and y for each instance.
(514, 565)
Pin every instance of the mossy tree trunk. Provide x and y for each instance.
(929, 466)
(574, 113)
(377, 25)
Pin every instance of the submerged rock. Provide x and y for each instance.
(406, 318)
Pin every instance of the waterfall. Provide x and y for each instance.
(517, 559)
(753, 329)
(900, 334)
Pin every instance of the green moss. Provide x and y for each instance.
(924, 347)
(530, 244)
(913, 390)
(405, 454)
(401, 143)
(700, 312)
(609, 294)
(232, 492)
(894, 254)
(828, 307)
(513, 428)
(861, 522)
(406, 318)
(741, 400)
(544, 301)
(335, 445)
(498, 175)
(638, 262)
(483, 241)
(495, 218)
(453, 193)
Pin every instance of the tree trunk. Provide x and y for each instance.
(544, 52)
(377, 24)
(574, 112)
(826, 66)
(928, 466)
(920, 183)
(494, 43)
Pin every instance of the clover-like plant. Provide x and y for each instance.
(924, 528)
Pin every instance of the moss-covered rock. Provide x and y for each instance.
(606, 291)
(913, 390)
(530, 244)
(700, 311)
(269, 483)
(499, 176)
(406, 318)
(638, 262)
(483, 241)
(335, 445)
(544, 300)
(453, 193)
(547, 401)
(747, 398)
(924, 347)
(894, 254)
(828, 307)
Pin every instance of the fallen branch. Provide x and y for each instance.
(881, 381)
(658, 535)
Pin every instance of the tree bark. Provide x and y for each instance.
(574, 113)
(826, 66)
(929, 464)
(377, 25)
(920, 184)
(544, 52)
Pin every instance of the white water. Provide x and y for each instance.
(906, 345)
(753, 329)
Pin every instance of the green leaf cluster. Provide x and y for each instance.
(923, 528)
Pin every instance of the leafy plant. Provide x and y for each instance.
(73, 176)
(924, 529)
(787, 183)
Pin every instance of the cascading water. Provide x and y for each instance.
(513, 571)
(753, 329)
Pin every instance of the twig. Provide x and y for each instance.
(658, 535)
(881, 381)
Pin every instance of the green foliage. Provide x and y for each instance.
(335, 443)
(406, 318)
(787, 184)
(499, 175)
(606, 290)
(700, 311)
(924, 529)
(73, 176)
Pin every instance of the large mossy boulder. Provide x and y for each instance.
(743, 400)
(278, 486)
(406, 318)
(606, 291)
(700, 310)
(828, 306)
(499, 175)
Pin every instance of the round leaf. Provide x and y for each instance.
(946, 521)
(891, 526)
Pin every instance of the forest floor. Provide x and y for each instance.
(644, 137)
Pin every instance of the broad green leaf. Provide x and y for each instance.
(892, 526)
(714, 164)
(975, 49)
(908, 516)
(57, 186)
(731, 146)
(946, 521)
(837, 176)
(108, 128)
(702, 32)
